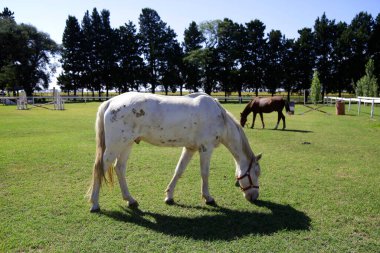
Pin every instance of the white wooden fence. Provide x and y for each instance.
(359, 100)
(46, 99)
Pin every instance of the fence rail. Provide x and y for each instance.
(45, 99)
(224, 99)
(359, 100)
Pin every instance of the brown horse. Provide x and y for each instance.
(265, 105)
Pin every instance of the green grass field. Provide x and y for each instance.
(320, 189)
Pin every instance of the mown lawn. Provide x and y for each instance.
(319, 188)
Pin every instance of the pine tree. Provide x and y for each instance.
(315, 93)
(72, 55)
(193, 39)
(153, 39)
(131, 70)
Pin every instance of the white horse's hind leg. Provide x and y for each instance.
(108, 159)
(94, 195)
(120, 169)
(205, 156)
(184, 160)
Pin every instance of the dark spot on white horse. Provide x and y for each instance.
(202, 148)
(122, 131)
(138, 114)
(217, 137)
(195, 123)
(114, 114)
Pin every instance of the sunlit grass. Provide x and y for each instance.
(319, 188)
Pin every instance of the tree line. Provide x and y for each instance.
(217, 55)
(25, 55)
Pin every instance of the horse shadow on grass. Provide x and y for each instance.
(224, 224)
(290, 130)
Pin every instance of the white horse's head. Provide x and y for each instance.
(249, 181)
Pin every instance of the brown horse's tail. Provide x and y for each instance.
(98, 175)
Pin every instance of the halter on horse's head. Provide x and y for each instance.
(249, 181)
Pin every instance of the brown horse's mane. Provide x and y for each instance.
(248, 108)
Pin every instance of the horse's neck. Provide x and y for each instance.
(247, 110)
(236, 142)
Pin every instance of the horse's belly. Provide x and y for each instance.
(171, 137)
(169, 142)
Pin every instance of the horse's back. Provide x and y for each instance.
(267, 104)
(163, 120)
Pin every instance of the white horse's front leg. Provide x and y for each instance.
(205, 156)
(120, 169)
(184, 160)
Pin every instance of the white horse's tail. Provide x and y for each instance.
(98, 175)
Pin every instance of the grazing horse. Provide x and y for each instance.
(265, 105)
(196, 122)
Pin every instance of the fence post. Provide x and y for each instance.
(359, 104)
(349, 104)
(372, 107)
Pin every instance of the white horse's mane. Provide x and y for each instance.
(229, 118)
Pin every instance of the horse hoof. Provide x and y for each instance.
(133, 204)
(169, 202)
(95, 210)
(211, 203)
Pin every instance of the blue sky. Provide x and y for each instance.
(288, 16)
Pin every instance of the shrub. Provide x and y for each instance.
(367, 85)
(315, 92)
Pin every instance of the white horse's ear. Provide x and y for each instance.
(258, 157)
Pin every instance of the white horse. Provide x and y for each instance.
(196, 122)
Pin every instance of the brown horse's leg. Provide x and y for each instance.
(279, 117)
(262, 119)
(283, 121)
(253, 120)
